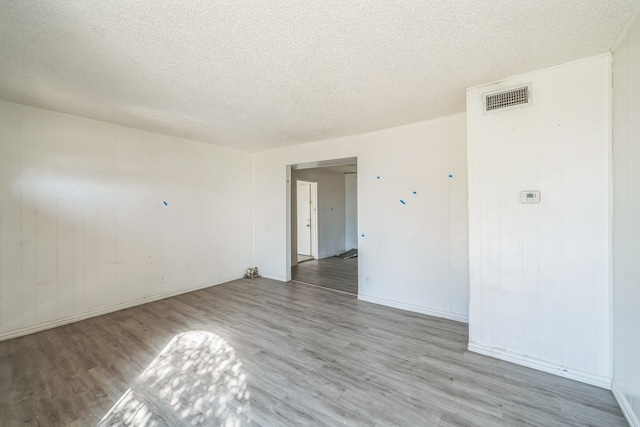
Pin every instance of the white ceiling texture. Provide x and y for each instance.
(256, 75)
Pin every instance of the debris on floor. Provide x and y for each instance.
(252, 273)
(349, 254)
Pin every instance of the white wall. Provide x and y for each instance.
(83, 224)
(539, 274)
(412, 256)
(626, 223)
(351, 210)
(330, 206)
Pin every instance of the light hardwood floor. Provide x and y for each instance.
(261, 352)
(333, 273)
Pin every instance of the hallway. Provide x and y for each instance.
(331, 273)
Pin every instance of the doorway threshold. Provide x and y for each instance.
(326, 288)
(303, 258)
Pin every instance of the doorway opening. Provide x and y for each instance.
(324, 224)
(307, 220)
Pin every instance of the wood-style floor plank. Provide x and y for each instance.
(332, 273)
(262, 353)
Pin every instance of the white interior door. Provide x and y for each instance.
(304, 218)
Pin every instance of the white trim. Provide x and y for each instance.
(541, 365)
(315, 246)
(610, 213)
(415, 308)
(288, 247)
(625, 406)
(276, 277)
(71, 319)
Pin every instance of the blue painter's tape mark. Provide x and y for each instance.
(165, 203)
(403, 202)
(450, 176)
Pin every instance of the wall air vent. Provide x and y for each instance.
(507, 99)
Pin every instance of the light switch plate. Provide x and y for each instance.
(530, 196)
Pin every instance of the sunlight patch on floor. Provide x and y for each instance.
(196, 379)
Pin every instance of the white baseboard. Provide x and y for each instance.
(544, 366)
(275, 277)
(415, 308)
(99, 312)
(625, 406)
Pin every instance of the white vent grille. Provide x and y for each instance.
(507, 99)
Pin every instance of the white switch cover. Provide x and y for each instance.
(530, 197)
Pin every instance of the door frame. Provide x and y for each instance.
(289, 260)
(313, 215)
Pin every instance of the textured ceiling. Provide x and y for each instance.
(256, 74)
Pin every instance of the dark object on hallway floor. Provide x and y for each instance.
(352, 253)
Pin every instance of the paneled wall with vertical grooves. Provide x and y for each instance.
(539, 274)
(95, 216)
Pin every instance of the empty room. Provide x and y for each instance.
(326, 213)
